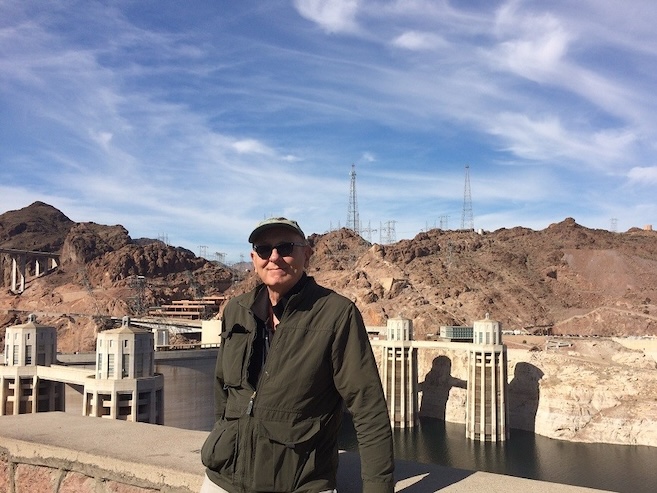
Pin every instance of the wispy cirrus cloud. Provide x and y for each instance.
(201, 119)
(419, 41)
(334, 16)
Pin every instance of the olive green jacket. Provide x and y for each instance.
(282, 435)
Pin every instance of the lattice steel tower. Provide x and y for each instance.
(387, 234)
(467, 222)
(353, 222)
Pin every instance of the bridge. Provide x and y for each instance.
(20, 260)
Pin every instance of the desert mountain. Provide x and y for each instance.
(97, 276)
(566, 279)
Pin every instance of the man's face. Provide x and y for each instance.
(281, 273)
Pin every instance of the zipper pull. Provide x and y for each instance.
(249, 408)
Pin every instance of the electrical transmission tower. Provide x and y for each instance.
(203, 251)
(353, 222)
(467, 222)
(387, 233)
(368, 232)
(138, 283)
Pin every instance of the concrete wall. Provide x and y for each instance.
(61, 453)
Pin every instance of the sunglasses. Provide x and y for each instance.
(284, 249)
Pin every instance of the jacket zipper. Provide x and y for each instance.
(249, 407)
(263, 373)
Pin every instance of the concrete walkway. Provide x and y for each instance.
(413, 477)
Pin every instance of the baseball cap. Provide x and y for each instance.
(275, 222)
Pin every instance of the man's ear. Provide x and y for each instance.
(308, 252)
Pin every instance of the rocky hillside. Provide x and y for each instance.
(98, 274)
(565, 279)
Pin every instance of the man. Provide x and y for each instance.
(292, 352)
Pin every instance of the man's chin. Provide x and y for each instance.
(280, 283)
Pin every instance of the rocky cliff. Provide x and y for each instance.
(97, 276)
(565, 279)
(593, 391)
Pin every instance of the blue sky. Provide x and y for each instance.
(194, 120)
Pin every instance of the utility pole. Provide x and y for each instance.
(353, 222)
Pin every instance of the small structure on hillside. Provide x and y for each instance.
(197, 309)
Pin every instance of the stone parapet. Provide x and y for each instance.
(62, 453)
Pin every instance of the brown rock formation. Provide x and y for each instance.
(565, 279)
(96, 277)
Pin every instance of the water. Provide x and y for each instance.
(621, 468)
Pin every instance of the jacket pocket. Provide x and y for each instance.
(284, 455)
(220, 447)
(234, 355)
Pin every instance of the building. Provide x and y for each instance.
(22, 390)
(399, 373)
(487, 404)
(456, 333)
(123, 385)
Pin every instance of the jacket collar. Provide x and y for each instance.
(259, 301)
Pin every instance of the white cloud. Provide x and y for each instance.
(643, 175)
(547, 140)
(333, 16)
(368, 157)
(419, 41)
(163, 126)
(252, 146)
(532, 45)
(102, 138)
